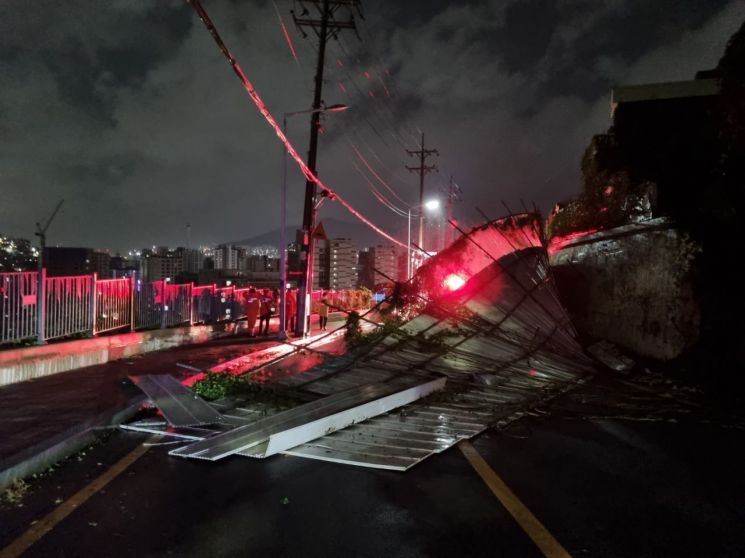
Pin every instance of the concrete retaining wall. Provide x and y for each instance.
(633, 286)
(18, 365)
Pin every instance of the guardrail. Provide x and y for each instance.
(17, 306)
(85, 304)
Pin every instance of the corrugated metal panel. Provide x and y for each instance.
(179, 406)
(400, 440)
(246, 437)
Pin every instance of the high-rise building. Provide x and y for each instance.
(229, 256)
(257, 263)
(122, 266)
(378, 266)
(342, 256)
(101, 264)
(164, 264)
(321, 264)
(193, 259)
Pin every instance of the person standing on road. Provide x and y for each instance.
(323, 311)
(253, 305)
(290, 310)
(265, 313)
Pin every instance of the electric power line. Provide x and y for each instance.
(252, 93)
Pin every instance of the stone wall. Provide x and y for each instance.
(632, 285)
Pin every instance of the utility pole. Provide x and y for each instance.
(422, 169)
(325, 26)
(454, 195)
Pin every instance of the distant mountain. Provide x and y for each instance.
(335, 228)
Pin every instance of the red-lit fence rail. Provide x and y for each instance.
(85, 304)
(68, 303)
(177, 304)
(162, 304)
(214, 304)
(17, 306)
(148, 310)
(113, 304)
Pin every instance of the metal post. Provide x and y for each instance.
(94, 302)
(131, 303)
(191, 303)
(408, 251)
(282, 334)
(421, 196)
(214, 304)
(41, 303)
(162, 304)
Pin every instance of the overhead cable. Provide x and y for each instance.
(252, 93)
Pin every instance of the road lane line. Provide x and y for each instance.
(48, 522)
(527, 521)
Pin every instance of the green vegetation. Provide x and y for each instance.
(391, 326)
(216, 386)
(219, 385)
(609, 197)
(354, 329)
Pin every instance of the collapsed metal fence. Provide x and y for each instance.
(86, 305)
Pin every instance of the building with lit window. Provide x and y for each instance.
(342, 257)
(229, 256)
(161, 264)
(320, 264)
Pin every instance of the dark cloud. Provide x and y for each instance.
(128, 111)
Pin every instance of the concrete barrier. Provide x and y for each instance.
(27, 363)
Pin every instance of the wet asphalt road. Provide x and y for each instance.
(601, 488)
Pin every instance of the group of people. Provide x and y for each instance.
(262, 304)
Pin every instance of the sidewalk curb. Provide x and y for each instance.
(43, 454)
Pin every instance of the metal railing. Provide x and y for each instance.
(68, 305)
(176, 304)
(17, 306)
(148, 309)
(84, 304)
(113, 304)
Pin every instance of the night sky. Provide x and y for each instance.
(127, 110)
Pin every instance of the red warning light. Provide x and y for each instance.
(454, 282)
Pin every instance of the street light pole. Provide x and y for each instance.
(408, 250)
(282, 333)
(302, 309)
(431, 205)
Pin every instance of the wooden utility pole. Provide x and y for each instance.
(325, 26)
(422, 169)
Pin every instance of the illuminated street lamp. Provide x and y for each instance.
(303, 305)
(431, 205)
